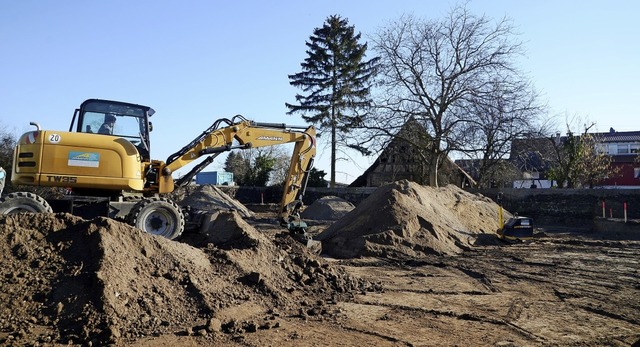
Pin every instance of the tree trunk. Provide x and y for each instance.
(333, 157)
(332, 183)
(433, 170)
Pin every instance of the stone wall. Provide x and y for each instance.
(272, 195)
(617, 229)
(571, 207)
(567, 206)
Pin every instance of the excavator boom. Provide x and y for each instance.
(241, 133)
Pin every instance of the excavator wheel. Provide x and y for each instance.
(157, 216)
(23, 202)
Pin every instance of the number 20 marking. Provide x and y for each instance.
(54, 138)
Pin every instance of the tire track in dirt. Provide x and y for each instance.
(378, 335)
(463, 316)
(437, 292)
(480, 277)
(608, 314)
(598, 268)
(580, 273)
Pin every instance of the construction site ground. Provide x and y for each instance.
(66, 281)
(566, 288)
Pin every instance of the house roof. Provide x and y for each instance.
(619, 136)
(410, 128)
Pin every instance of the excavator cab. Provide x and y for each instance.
(115, 118)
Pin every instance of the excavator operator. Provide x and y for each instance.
(107, 126)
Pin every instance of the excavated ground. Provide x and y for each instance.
(418, 280)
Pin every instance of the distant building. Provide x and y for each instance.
(215, 178)
(399, 160)
(624, 149)
(532, 158)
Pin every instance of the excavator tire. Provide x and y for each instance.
(157, 216)
(24, 202)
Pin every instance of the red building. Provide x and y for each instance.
(534, 157)
(624, 148)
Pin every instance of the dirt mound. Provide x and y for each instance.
(327, 208)
(407, 219)
(208, 198)
(489, 239)
(100, 281)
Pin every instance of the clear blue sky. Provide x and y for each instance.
(197, 61)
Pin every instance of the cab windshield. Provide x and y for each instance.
(114, 119)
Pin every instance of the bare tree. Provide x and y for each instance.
(535, 153)
(501, 116)
(282, 156)
(433, 70)
(7, 144)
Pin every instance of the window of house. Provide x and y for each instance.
(624, 148)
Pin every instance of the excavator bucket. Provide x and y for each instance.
(298, 230)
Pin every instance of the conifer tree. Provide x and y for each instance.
(335, 79)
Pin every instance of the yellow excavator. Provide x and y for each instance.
(104, 162)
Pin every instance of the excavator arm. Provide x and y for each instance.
(239, 133)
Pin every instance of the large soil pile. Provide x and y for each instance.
(65, 279)
(408, 219)
(328, 208)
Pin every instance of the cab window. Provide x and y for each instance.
(126, 126)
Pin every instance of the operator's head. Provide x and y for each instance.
(110, 118)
